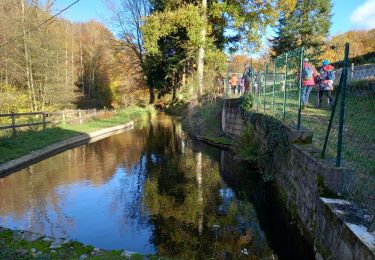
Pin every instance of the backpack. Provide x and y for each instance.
(326, 75)
(307, 73)
(331, 75)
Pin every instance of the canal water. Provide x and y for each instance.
(152, 190)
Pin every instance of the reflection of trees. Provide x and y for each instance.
(33, 193)
(162, 178)
(191, 213)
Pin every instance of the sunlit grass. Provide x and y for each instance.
(24, 142)
(359, 130)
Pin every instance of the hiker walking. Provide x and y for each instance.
(233, 83)
(325, 82)
(247, 78)
(308, 81)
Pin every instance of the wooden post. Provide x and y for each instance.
(14, 123)
(44, 121)
(80, 116)
(63, 118)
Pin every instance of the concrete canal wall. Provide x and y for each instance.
(50, 150)
(337, 228)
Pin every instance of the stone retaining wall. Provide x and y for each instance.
(302, 177)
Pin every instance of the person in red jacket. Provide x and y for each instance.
(308, 81)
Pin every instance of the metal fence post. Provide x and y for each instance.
(258, 89)
(285, 82)
(342, 106)
(239, 81)
(332, 116)
(274, 83)
(227, 91)
(13, 123)
(251, 77)
(265, 86)
(300, 88)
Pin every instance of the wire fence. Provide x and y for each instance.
(342, 118)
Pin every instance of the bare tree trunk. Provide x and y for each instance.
(6, 72)
(201, 52)
(30, 83)
(152, 94)
(81, 62)
(72, 59)
(183, 80)
(66, 57)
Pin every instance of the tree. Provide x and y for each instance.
(47, 64)
(307, 25)
(246, 21)
(128, 18)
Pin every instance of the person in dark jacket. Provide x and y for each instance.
(325, 81)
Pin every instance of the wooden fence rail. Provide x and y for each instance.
(13, 126)
(65, 116)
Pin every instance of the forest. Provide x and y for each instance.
(61, 64)
(179, 49)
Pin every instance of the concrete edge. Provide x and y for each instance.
(212, 143)
(340, 220)
(61, 146)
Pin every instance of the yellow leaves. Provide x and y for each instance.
(161, 24)
(13, 99)
(287, 5)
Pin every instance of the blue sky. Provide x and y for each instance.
(347, 14)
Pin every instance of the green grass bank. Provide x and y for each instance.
(26, 245)
(24, 142)
(202, 120)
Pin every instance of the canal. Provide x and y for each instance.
(153, 190)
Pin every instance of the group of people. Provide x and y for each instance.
(241, 84)
(322, 80)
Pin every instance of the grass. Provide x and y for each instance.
(24, 142)
(359, 129)
(12, 247)
(203, 120)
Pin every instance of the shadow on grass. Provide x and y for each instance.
(27, 141)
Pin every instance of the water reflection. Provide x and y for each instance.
(151, 190)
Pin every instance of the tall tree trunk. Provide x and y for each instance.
(201, 52)
(30, 83)
(6, 72)
(152, 94)
(81, 62)
(183, 79)
(66, 57)
(72, 59)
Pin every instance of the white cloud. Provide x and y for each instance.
(364, 15)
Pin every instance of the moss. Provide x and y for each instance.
(250, 151)
(13, 248)
(219, 140)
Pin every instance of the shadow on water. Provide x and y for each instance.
(152, 190)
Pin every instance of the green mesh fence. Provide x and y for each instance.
(277, 87)
(359, 130)
(276, 91)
